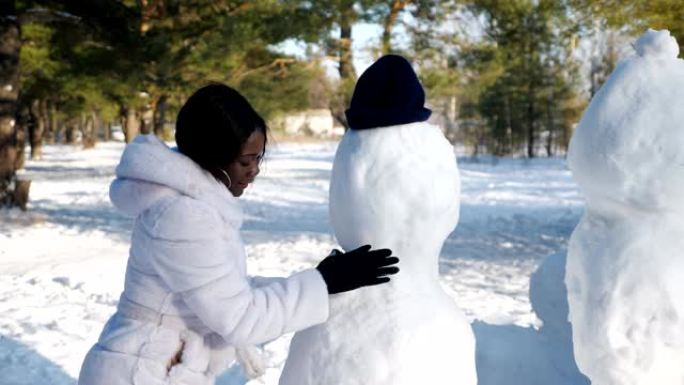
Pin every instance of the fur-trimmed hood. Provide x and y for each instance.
(150, 172)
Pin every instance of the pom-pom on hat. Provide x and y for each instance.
(388, 93)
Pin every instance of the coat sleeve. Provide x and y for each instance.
(195, 259)
(259, 281)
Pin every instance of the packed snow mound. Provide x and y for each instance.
(627, 148)
(510, 354)
(657, 44)
(549, 298)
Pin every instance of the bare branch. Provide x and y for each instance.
(42, 15)
(280, 63)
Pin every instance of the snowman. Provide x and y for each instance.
(395, 184)
(625, 267)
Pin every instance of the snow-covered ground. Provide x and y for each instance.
(62, 263)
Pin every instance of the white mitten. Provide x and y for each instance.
(222, 354)
(251, 360)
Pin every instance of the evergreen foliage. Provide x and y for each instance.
(502, 77)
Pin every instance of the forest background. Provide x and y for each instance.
(508, 78)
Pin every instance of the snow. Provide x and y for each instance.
(624, 267)
(657, 44)
(62, 263)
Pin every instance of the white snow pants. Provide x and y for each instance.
(134, 351)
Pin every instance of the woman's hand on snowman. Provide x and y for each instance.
(357, 268)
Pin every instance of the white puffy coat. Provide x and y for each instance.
(187, 300)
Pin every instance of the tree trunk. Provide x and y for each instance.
(97, 124)
(551, 127)
(346, 68)
(146, 120)
(160, 116)
(88, 131)
(81, 127)
(531, 119)
(21, 193)
(508, 138)
(36, 129)
(10, 45)
(52, 123)
(530, 129)
(450, 115)
(22, 127)
(131, 124)
(70, 128)
(395, 8)
(107, 131)
(46, 116)
(61, 131)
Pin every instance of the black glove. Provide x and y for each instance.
(357, 268)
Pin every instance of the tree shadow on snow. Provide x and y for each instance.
(53, 172)
(510, 233)
(87, 217)
(515, 355)
(21, 365)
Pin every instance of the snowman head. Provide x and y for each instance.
(396, 187)
(628, 148)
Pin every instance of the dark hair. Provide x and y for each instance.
(214, 123)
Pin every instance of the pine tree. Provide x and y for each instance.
(12, 192)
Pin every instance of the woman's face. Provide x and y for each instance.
(246, 167)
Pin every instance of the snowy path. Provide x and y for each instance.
(62, 263)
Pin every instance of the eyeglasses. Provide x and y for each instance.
(247, 160)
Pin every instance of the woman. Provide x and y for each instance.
(187, 303)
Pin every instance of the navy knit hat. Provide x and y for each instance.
(387, 94)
